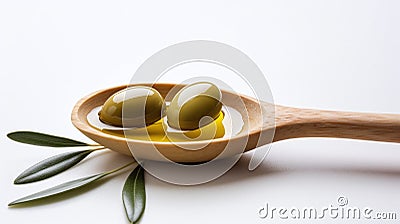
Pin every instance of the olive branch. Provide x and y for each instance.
(133, 192)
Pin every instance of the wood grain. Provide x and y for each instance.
(296, 123)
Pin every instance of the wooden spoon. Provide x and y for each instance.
(287, 123)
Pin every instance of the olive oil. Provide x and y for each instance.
(227, 124)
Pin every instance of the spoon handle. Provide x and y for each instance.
(295, 123)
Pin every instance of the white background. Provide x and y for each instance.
(340, 55)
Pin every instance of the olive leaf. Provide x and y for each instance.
(51, 166)
(65, 187)
(134, 195)
(36, 138)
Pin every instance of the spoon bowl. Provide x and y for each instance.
(264, 123)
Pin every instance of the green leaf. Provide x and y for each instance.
(36, 138)
(59, 189)
(134, 195)
(51, 166)
(65, 187)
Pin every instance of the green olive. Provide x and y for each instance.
(136, 106)
(192, 103)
